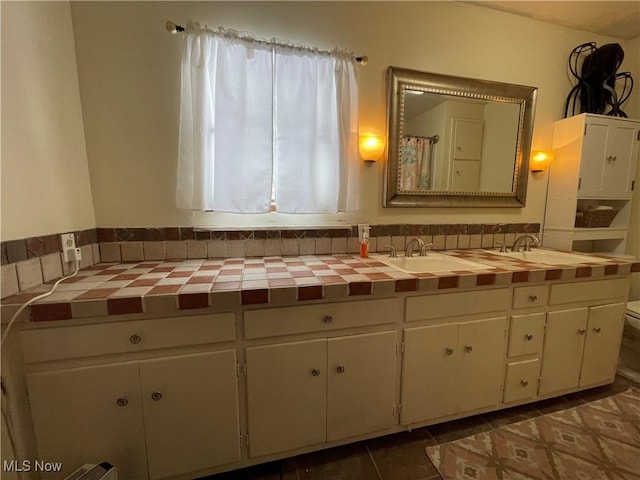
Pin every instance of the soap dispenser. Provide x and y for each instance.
(364, 243)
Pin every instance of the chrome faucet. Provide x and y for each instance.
(408, 252)
(525, 240)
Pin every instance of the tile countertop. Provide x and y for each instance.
(157, 287)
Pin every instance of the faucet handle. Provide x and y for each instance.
(503, 247)
(423, 249)
(392, 251)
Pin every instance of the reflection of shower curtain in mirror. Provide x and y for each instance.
(415, 168)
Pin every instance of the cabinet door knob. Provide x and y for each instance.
(327, 319)
(340, 369)
(533, 298)
(468, 348)
(315, 372)
(524, 383)
(122, 402)
(155, 396)
(597, 330)
(135, 339)
(582, 331)
(529, 337)
(449, 351)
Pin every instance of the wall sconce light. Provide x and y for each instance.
(371, 147)
(540, 160)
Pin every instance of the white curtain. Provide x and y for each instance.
(253, 113)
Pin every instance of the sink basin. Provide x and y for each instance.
(550, 257)
(431, 263)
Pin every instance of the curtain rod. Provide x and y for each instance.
(174, 28)
(432, 138)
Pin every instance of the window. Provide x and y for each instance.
(259, 119)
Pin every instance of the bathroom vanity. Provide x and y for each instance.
(252, 377)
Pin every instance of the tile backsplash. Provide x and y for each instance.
(30, 262)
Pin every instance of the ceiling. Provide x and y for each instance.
(620, 19)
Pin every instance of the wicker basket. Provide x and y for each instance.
(595, 218)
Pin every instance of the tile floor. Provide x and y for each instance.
(401, 456)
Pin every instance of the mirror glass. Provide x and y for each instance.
(456, 141)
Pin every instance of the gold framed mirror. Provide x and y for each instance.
(456, 142)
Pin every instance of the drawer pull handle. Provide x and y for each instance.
(135, 339)
(340, 369)
(315, 372)
(524, 383)
(582, 331)
(533, 298)
(327, 319)
(529, 337)
(155, 396)
(449, 351)
(468, 348)
(122, 402)
(597, 330)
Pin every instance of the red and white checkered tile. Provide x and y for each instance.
(127, 287)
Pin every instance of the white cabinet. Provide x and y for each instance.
(526, 333)
(452, 368)
(90, 415)
(596, 158)
(315, 391)
(96, 395)
(581, 347)
(609, 156)
(190, 406)
(180, 413)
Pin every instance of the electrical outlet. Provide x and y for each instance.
(68, 241)
(361, 228)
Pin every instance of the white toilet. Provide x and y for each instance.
(629, 360)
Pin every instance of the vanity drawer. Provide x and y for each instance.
(316, 318)
(44, 344)
(521, 381)
(593, 290)
(528, 297)
(455, 304)
(525, 334)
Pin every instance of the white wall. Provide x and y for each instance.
(129, 78)
(45, 174)
(632, 108)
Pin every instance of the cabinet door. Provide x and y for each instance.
(521, 381)
(526, 334)
(480, 364)
(428, 372)
(620, 160)
(190, 412)
(89, 415)
(466, 176)
(563, 347)
(609, 156)
(361, 380)
(592, 164)
(602, 345)
(286, 396)
(467, 139)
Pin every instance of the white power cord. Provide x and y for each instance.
(35, 299)
(5, 396)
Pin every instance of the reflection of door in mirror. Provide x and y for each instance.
(478, 148)
(466, 154)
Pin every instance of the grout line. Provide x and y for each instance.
(373, 461)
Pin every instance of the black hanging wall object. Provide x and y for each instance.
(599, 88)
